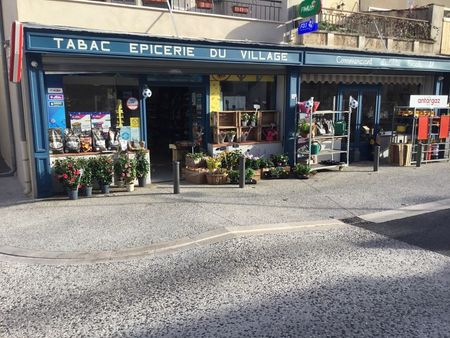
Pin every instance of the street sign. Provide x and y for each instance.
(309, 8)
(307, 27)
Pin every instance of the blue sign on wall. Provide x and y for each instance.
(374, 62)
(146, 48)
(308, 26)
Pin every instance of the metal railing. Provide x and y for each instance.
(368, 24)
(257, 9)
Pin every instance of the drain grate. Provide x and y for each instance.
(355, 221)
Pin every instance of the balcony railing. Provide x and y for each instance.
(373, 25)
(257, 9)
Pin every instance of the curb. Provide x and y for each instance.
(21, 255)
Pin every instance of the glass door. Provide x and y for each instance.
(364, 121)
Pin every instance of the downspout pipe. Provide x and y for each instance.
(5, 81)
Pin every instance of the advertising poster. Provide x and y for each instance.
(125, 133)
(101, 120)
(80, 122)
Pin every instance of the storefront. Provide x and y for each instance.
(97, 86)
(378, 82)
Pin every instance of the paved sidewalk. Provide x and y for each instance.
(154, 215)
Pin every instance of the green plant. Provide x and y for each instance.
(103, 169)
(265, 163)
(125, 168)
(196, 156)
(142, 164)
(253, 163)
(280, 160)
(87, 165)
(253, 118)
(245, 117)
(278, 172)
(68, 172)
(213, 163)
(302, 169)
(233, 175)
(230, 159)
(303, 127)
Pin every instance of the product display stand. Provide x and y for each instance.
(414, 126)
(327, 144)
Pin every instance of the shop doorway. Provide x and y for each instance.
(365, 119)
(169, 118)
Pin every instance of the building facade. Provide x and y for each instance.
(88, 69)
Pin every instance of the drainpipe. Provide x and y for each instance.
(5, 82)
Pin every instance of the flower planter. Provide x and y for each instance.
(302, 176)
(197, 163)
(88, 191)
(130, 187)
(257, 175)
(142, 181)
(244, 123)
(252, 124)
(73, 194)
(195, 175)
(204, 4)
(104, 188)
(216, 179)
(230, 138)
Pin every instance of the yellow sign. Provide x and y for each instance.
(135, 122)
(214, 95)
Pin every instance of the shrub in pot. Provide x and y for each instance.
(103, 172)
(125, 169)
(142, 167)
(196, 160)
(302, 170)
(68, 173)
(87, 177)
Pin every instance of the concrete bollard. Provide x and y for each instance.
(176, 177)
(242, 172)
(419, 154)
(376, 158)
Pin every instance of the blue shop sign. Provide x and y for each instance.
(308, 26)
(374, 62)
(45, 42)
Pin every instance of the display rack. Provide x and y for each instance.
(265, 128)
(426, 126)
(334, 145)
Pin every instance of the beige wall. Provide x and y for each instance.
(446, 38)
(142, 20)
(398, 4)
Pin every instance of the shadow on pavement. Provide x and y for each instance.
(430, 231)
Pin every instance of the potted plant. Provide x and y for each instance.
(87, 165)
(265, 164)
(142, 167)
(276, 172)
(195, 160)
(221, 136)
(233, 176)
(231, 135)
(253, 119)
(244, 119)
(103, 172)
(68, 172)
(281, 160)
(125, 169)
(302, 170)
(303, 128)
(216, 174)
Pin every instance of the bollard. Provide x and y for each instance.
(376, 158)
(176, 177)
(241, 172)
(419, 154)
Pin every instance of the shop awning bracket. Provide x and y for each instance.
(172, 17)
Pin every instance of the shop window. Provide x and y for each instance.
(325, 93)
(241, 92)
(92, 113)
(393, 95)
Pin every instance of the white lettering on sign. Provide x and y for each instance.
(428, 101)
(220, 53)
(263, 56)
(136, 48)
(80, 44)
(357, 61)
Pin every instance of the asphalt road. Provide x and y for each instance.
(430, 231)
(346, 281)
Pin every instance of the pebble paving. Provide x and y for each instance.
(340, 282)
